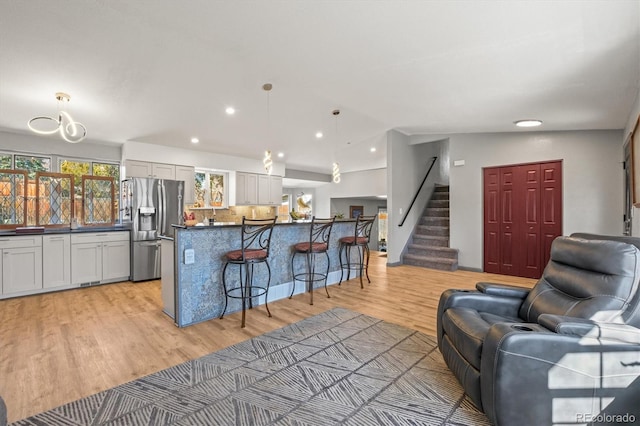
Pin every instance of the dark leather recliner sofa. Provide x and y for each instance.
(566, 351)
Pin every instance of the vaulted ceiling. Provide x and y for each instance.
(163, 71)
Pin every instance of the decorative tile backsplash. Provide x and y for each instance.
(234, 213)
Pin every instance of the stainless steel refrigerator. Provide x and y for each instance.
(149, 208)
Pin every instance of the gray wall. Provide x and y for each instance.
(408, 159)
(592, 180)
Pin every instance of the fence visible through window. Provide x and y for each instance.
(13, 198)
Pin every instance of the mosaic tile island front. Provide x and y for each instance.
(197, 283)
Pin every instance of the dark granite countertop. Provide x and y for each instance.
(66, 230)
(231, 224)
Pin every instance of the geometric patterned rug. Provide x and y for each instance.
(338, 367)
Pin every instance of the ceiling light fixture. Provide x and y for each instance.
(373, 149)
(335, 173)
(230, 110)
(195, 140)
(267, 162)
(71, 131)
(319, 135)
(280, 154)
(528, 123)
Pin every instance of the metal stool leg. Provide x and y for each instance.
(243, 290)
(361, 260)
(266, 292)
(366, 247)
(341, 264)
(293, 274)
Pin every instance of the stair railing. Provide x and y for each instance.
(415, 197)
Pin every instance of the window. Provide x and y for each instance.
(6, 161)
(211, 189)
(79, 168)
(32, 164)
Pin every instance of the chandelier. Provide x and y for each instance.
(71, 131)
(267, 162)
(335, 173)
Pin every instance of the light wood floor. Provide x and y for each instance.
(58, 347)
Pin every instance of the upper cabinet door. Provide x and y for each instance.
(275, 190)
(187, 174)
(246, 188)
(163, 171)
(136, 168)
(263, 189)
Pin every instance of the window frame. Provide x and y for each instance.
(207, 201)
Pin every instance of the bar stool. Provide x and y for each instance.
(256, 238)
(318, 242)
(360, 241)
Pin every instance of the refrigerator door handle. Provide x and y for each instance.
(180, 205)
(150, 244)
(163, 196)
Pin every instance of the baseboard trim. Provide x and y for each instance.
(466, 268)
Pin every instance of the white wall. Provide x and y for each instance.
(592, 181)
(54, 146)
(199, 159)
(367, 183)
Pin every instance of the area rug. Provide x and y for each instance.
(338, 367)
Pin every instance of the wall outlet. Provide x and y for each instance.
(189, 256)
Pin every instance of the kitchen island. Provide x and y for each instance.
(192, 289)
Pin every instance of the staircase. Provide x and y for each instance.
(429, 245)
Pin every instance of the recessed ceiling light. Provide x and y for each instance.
(195, 140)
(373, 149)
(230, 110)
(528, 123)
(280, 154)
(319, 135)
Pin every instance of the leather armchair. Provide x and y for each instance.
(566, 351)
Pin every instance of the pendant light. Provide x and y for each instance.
(335, 173)
(267, 161)
(71, 131)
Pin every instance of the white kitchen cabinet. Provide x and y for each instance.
(269, 190)
(116, 264)
(100, 257)
(86, 264)
(21, 264)
(56, 260)
(246, 188)
(187, 174)
(275, 190)
(136, 168)
(163, 171)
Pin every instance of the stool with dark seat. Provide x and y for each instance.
(318, 242)
(360, 241)
(256, 238)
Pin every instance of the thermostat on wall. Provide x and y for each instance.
(458, 163)
(189, 256)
